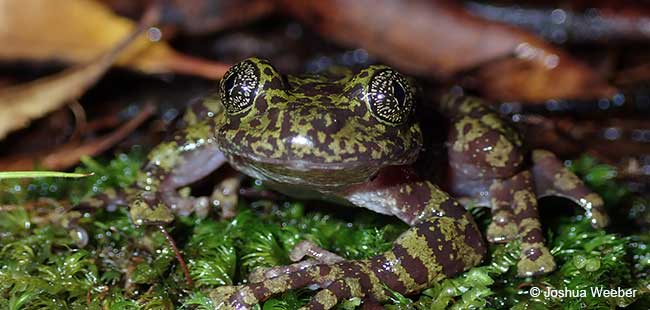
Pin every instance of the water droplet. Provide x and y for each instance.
(618, 99)
(551, 61)
(603, 104)
(558, 16)
(154, 34)
(612, 133)
(360, 56)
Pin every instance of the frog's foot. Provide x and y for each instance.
(310, 249)
(553, 179)
(337, 282)
(535, 259)
(226, 195)
(305, 248)
(185, 205)
(145, 209)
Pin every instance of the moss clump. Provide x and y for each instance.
(124, 267)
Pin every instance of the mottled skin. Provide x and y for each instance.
(351, 138)
(489, 167)
(343, 137)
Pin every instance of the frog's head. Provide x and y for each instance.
(330, 129)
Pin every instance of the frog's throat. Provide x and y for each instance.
(326, 176)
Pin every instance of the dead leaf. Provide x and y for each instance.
(601, 22)
(440, 38)
(22, 103)
(76, 31)
(630, 76)
(569, 137)
(68, 155)
(209, 16)
(514, 79)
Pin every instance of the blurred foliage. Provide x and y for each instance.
(124, 267)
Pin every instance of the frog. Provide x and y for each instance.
(352, 138)
(489, 166)
(344, 137)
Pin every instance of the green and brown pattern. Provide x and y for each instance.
(552, 178)
(488, 167)
(347, 137)
(309, 125)
(188, 155)
(442, 242)
(351, 137)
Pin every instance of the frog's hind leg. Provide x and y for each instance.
(316, 255)
(443, 240)
(553, 179)
(535, 258)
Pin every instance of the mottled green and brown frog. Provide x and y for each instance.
(351, 139)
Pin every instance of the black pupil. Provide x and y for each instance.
(399, 93)
(229, 83)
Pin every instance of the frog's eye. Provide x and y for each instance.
(390, 97)
(239, 87)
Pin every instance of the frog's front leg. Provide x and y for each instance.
(189, 155)
(442, 242)
(184, 158)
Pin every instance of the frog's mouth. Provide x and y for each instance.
(300, 172)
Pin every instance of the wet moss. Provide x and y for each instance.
(125, 267)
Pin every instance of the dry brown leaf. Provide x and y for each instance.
(513, 79)
(68, 155)
(23, 103)
(209, 16)
(78, 30)
(438, 37)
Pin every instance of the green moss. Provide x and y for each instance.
(125, 267)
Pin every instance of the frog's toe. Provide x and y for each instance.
(143, 212)
(310, 249)
(316, 255)
(233, 298)
(599, 219)
(594, 206)
(535, 260)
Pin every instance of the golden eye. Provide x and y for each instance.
(239, 87)
(390, 97)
